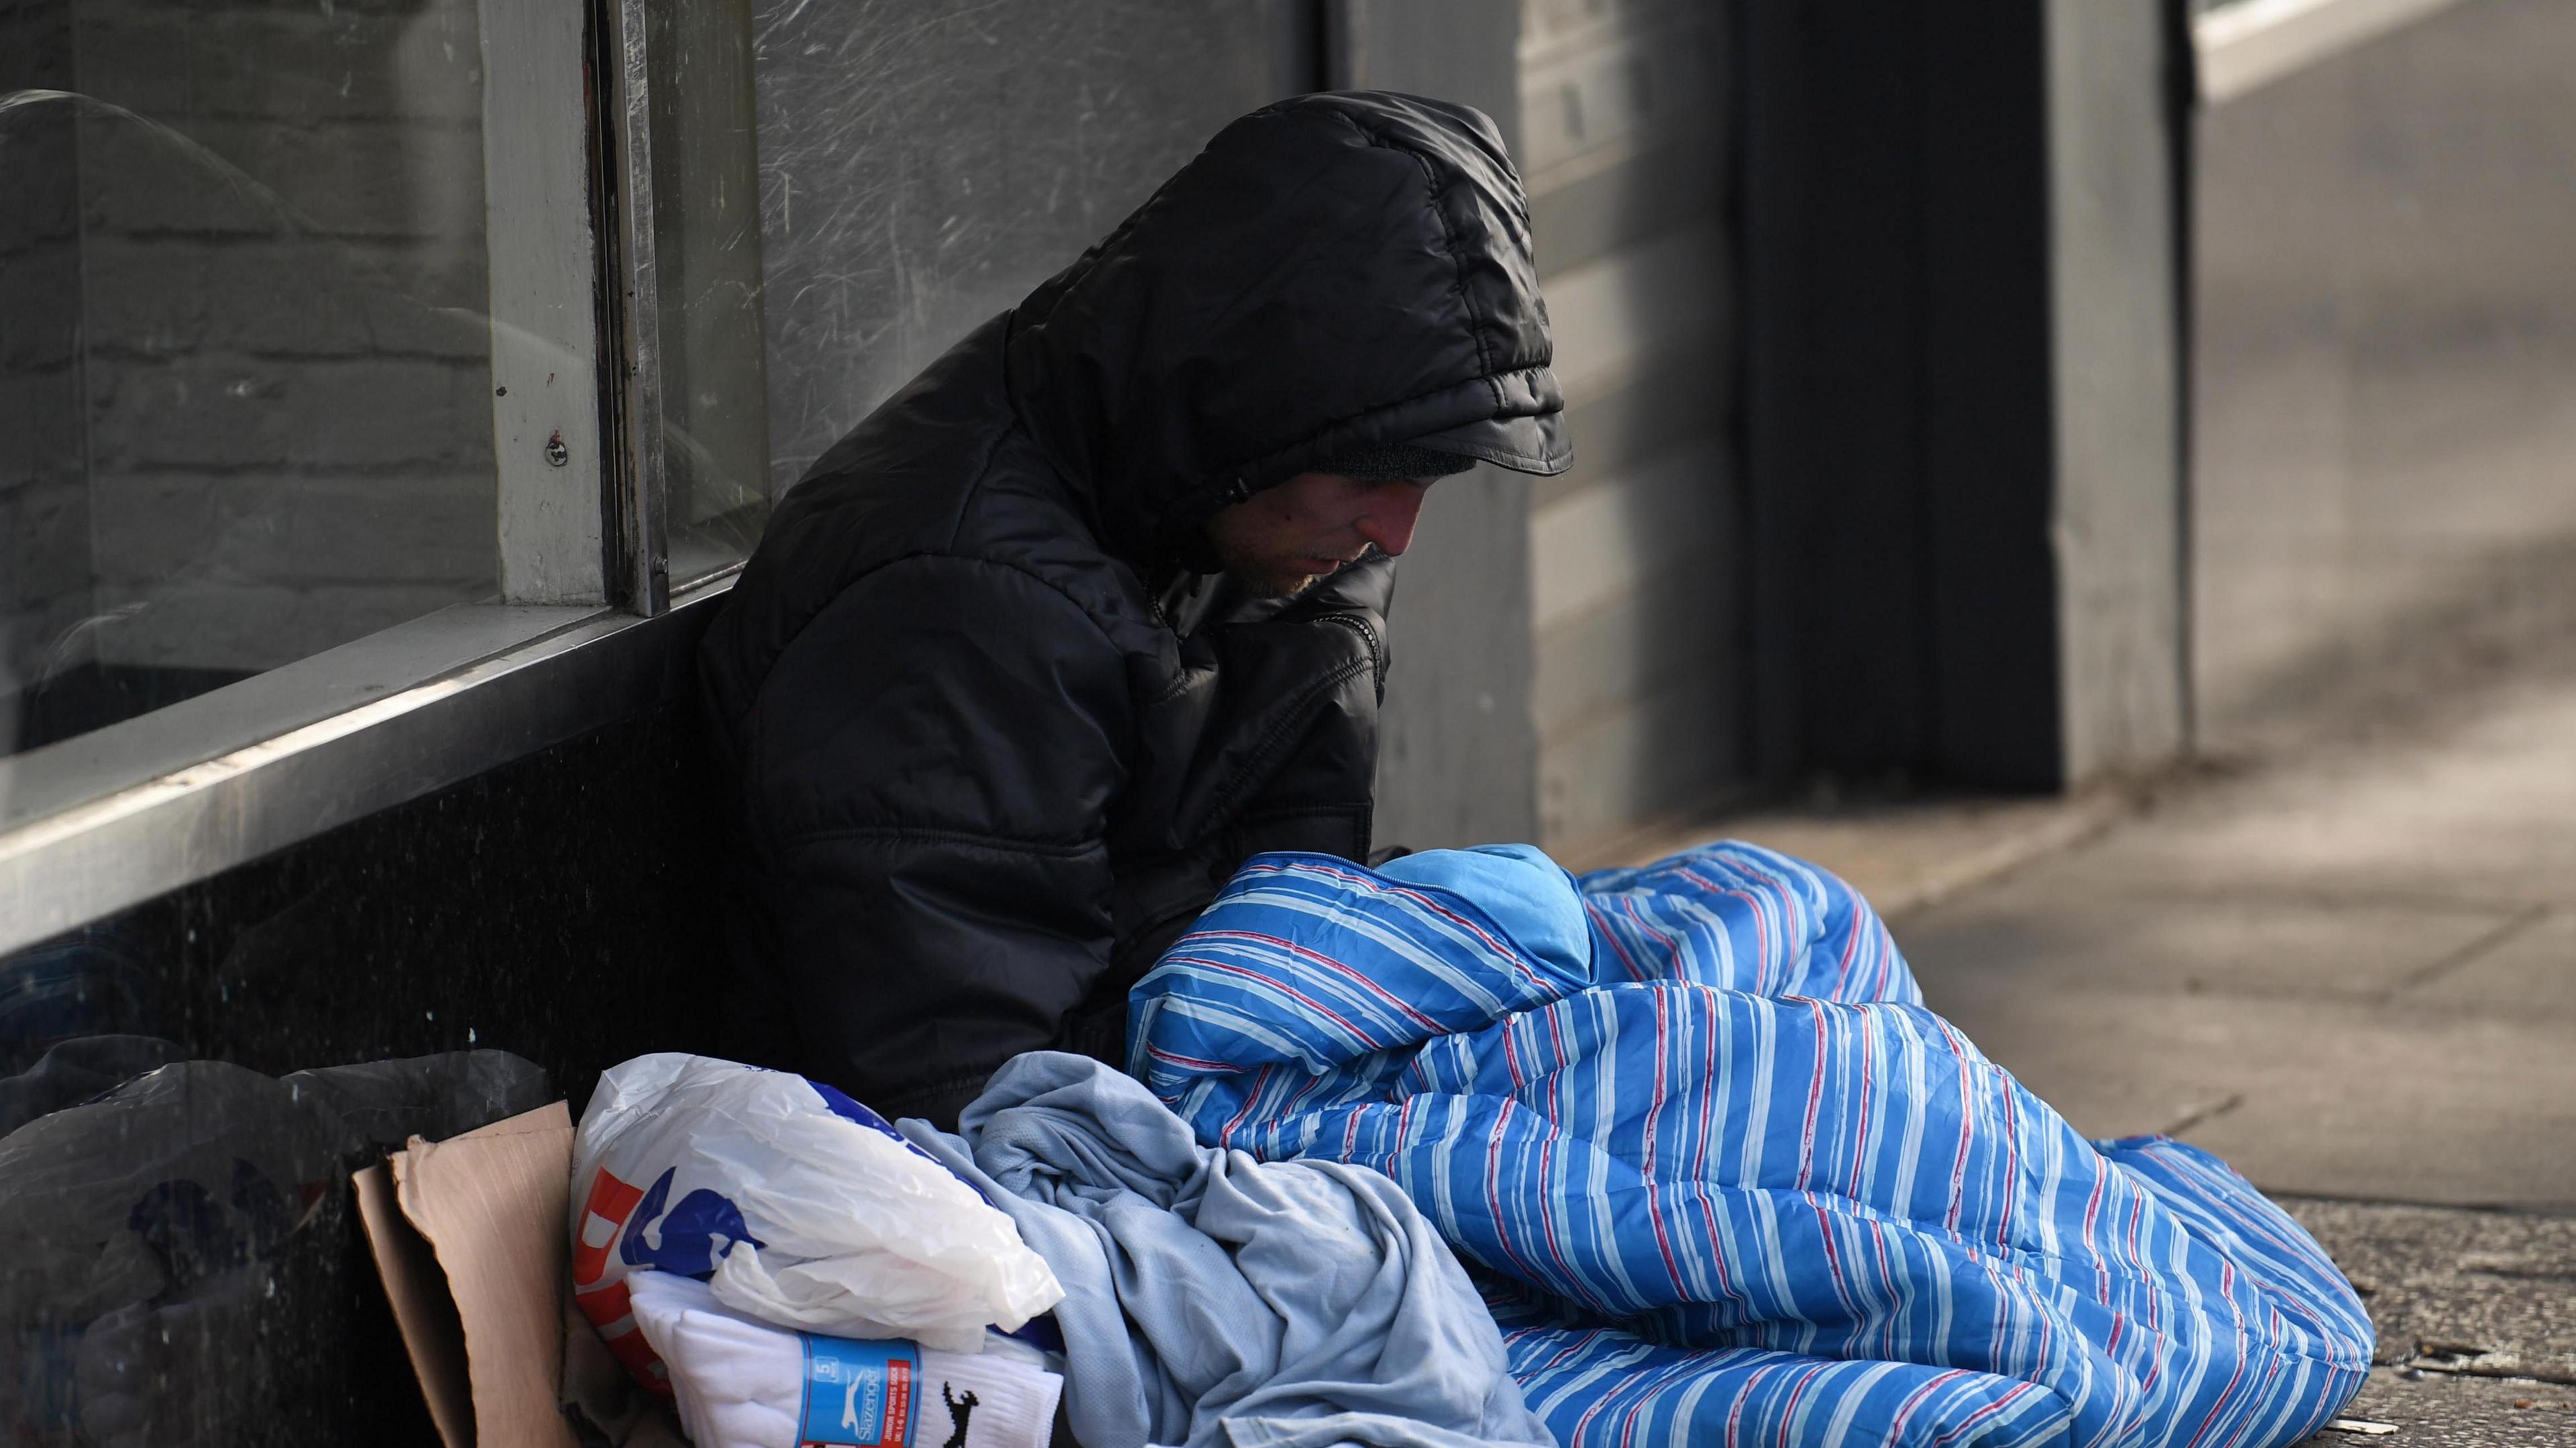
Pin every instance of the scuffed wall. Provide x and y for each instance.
(2116, 517)
(1635, 555)
(1457, 749)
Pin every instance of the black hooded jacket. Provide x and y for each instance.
(995, 733)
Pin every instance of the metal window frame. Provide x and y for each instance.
(588, 631)
(543, 211)
(638, 491)
(560, 672)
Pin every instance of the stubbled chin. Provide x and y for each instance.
(1273, 585)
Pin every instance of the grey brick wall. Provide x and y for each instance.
(280, 385)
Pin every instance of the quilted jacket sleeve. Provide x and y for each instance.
(927, 775)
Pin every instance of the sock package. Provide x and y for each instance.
(742, 1383)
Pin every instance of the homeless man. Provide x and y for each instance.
(1093, 609)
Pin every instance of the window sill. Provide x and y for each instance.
(115, 817)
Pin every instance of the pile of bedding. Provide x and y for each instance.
(1720, 1175)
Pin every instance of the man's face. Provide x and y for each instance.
(1280, 540)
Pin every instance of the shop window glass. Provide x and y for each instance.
(245, 392)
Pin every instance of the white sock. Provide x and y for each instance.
(742, 1383)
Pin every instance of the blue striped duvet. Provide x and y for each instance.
(1725, 1180)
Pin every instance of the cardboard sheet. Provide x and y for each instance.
(475, 1266)
(423, 1310)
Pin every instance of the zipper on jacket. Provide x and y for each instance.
(1368, 637)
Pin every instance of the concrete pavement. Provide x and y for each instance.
(2347, 964)
(2351, 972)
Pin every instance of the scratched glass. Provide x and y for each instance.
(245, 396)
(921, 168)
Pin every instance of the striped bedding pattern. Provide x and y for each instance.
(1726, 1181)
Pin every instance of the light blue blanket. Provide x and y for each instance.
(1211, 1299)
(1728, 1180)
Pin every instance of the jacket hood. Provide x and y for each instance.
(1332, 271)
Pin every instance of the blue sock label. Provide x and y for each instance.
(864, 1393)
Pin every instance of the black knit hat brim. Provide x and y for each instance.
(1395, 460)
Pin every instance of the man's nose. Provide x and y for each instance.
(1393, 509)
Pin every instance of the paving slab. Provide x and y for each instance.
(1900, 854)
(2529, 972)
(2326, 1097)
(2478, 808)
(2036, 933)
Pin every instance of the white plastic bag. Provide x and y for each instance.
(796, 1205)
